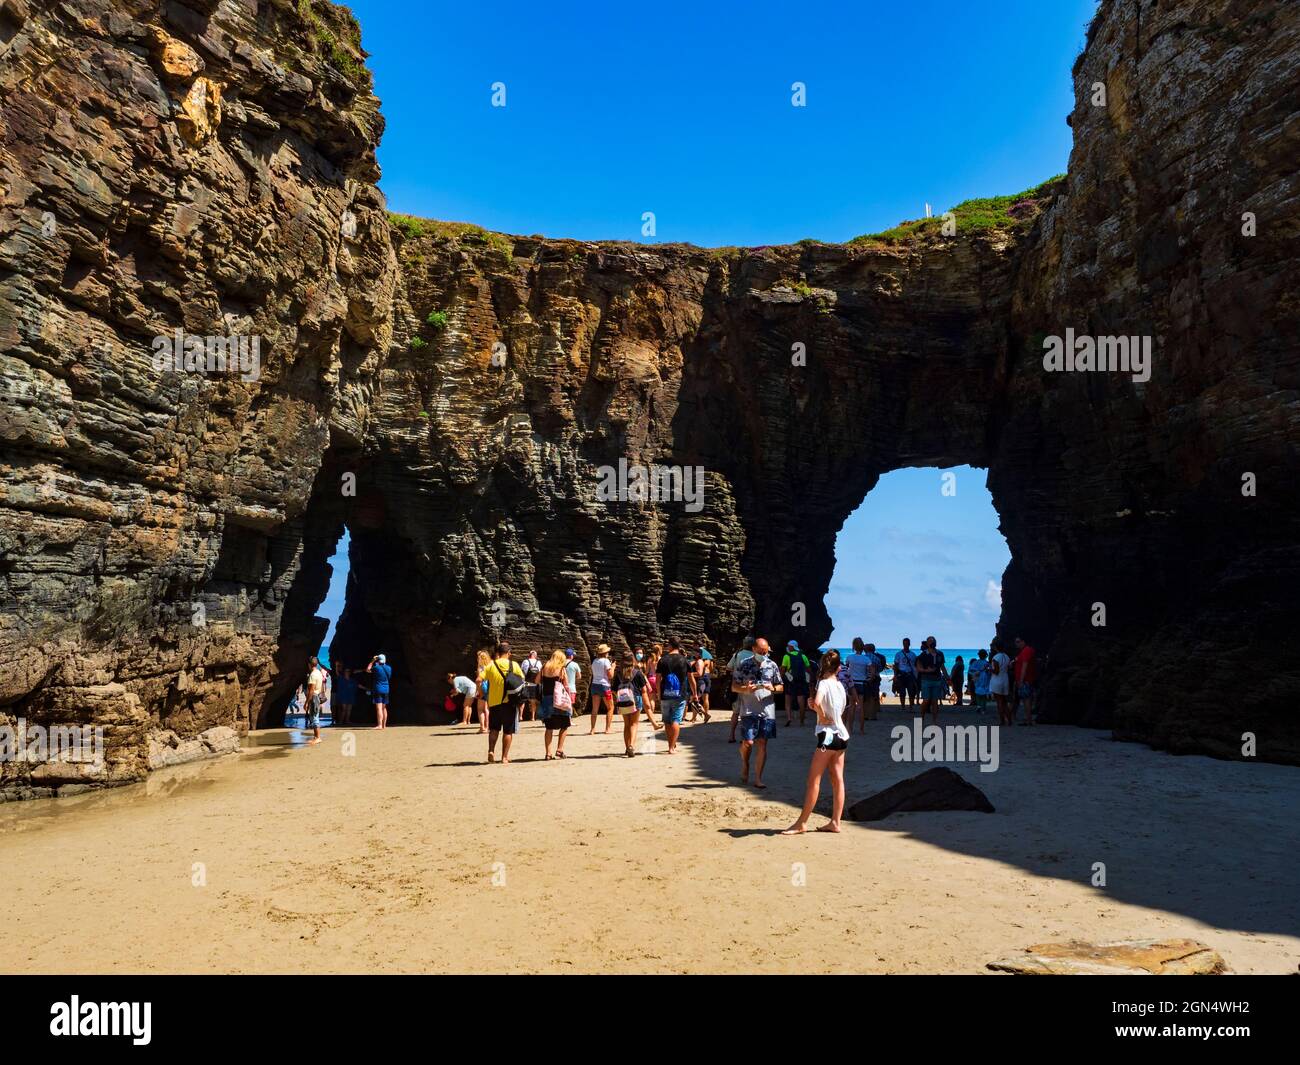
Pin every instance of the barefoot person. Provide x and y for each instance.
(859, 663)
(871, 690)
(315, 693)
(674, 689)
(832, 742)
(463, 690)
(905, 683)
(505, 692)
(704, 679)
(757, 681)
(557, 700)
(602, 685)
(480, 696)
(383, 674)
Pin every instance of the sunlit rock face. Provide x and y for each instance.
(198, 168)
(460, 399)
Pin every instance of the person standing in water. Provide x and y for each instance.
(832, 742)
(383, 673)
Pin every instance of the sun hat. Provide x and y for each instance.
(602, 648)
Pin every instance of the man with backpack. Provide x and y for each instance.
(795, 667)
(676, 685)
(505, 690)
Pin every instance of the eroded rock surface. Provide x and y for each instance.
(1133, 957)
(203, 167)
(209, 167)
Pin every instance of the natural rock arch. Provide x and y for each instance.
(132, 495)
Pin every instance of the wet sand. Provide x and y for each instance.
(415, 856)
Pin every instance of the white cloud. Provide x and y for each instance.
(993, 595)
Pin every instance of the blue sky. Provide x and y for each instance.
(684, 109)
(912, 559)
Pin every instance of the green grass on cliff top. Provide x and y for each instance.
(336, 34)
(991, 212)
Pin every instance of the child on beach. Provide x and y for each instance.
(832, 742)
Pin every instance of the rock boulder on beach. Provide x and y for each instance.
(935, 789)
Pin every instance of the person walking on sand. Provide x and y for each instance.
(383, 674)
(480, 696)
(746, 651)
(859, 663)
(1025, 673)
(958, 677)
(505, 692)
(463, 688)
(757, 681)
(704, 679)
(572, 674)
(1000, 682)
(602, 685)
(832, 741)
(629, 697)
(557, 699)
(674, 689)
(932, 685)
(315, 693)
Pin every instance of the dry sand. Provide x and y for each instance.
(384, 861)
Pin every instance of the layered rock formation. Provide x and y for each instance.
(199, 167)
(456, 397)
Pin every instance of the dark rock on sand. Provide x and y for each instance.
(935, 789)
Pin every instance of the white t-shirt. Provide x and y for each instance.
(831, 697)
(600, 671)
(1000, 682)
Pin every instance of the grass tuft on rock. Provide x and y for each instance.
(972, 216)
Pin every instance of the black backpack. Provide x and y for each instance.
(512, 682)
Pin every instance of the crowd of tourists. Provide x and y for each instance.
(667, 686)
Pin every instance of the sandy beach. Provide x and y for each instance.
(412, 855)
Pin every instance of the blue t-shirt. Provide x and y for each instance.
(345, 690)
(383, 671)
(979, 674)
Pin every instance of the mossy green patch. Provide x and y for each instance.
(993, 212)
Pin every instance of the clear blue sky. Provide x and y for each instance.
(914, 562)
(684, 109)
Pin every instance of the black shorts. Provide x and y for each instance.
(796, 688)
(504, 717)
(829, 741)
(558, 722)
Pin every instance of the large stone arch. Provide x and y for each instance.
(130, 495)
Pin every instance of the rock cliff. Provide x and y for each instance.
(203, 168)
(459, 399)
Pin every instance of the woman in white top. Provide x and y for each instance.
(832, 741)
(1000, 682)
